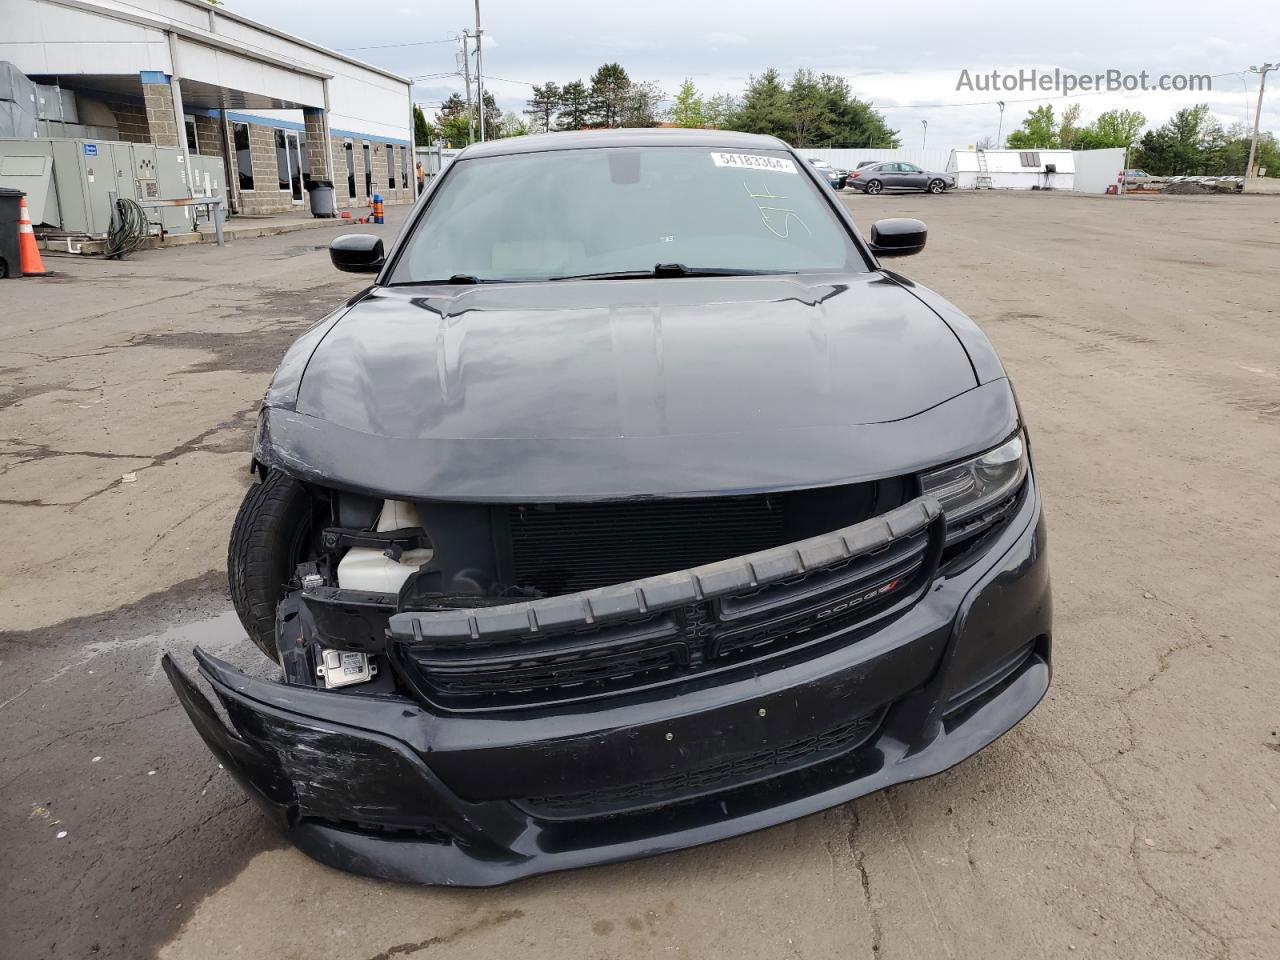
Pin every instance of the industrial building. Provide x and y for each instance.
(194, 88)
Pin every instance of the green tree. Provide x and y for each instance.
(575, 106)
(640, 105)
(718, 111)
(610, 86)
(423, 132)
(542, 106)
(851, 122)
(492, 115)
(1039, 131)
(808, 110)
(688, 109)
(1190, 143)
(1234, 154)
(511, 125)
(764, 107)
(454, 121)
(1115, 128)
(1069, 128)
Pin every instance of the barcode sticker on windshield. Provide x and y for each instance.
(753, 161)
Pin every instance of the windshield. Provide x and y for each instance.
(624, 210)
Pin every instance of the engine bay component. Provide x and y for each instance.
(341, 668)
(368, 568)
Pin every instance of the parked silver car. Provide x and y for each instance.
(898, 175)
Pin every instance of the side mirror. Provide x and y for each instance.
(357, 253)
(898, 237)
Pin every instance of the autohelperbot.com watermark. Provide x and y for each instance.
(1032, 80)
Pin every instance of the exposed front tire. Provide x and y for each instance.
(874, 186)
(936, 186)
(269, 538)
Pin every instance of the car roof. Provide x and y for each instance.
(624, 137)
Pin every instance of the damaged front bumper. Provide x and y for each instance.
(393, 787)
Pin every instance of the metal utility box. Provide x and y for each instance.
(16, 88)
(27, 165)
(17, 122)
(85, 177)
(210, 175)
(69, 183)
(54, 103)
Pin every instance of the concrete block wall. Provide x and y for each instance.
(131, 120)
(209, 136)
(267, 197)
(313, 142)
(378, 155)
(158, 102)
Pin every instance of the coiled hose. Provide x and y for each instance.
(128, 231)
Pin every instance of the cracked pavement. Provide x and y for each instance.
(1134, 814)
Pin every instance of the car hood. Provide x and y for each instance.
(604, 389)
(632, 358)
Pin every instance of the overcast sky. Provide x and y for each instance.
(905, 55)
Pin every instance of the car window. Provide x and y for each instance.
(908, 168)
(560, 213)
(891, 167)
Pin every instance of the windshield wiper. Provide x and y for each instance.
(457, 280)
(664, 270)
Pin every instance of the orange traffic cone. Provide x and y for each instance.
(28, 252)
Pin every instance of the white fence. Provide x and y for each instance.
(1098, 169)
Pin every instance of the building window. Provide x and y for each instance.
(391, 167)
(368, 170)
(244, 157)
(351, 169)
(193, 146)
(282, 159)
(404, 168)
(1029, 158)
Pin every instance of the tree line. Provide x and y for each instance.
(806, 110)
(1191, 143)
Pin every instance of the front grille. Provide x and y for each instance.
(804, 597)
(725, 774)
(566, 547)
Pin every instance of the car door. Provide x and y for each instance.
(912, 177)
(888, 174)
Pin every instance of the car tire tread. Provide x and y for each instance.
(259, 560)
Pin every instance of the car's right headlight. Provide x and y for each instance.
(975, 492)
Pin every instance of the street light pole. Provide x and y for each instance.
(479, 72)
(1000, 128)
(1257, 117)
(924, 141)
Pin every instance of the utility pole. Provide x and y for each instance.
(479, 72)
(466, 76)
(1257, 117)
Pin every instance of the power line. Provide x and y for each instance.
(489, 76)
(389, 46)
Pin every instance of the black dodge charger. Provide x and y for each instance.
(635, 505)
